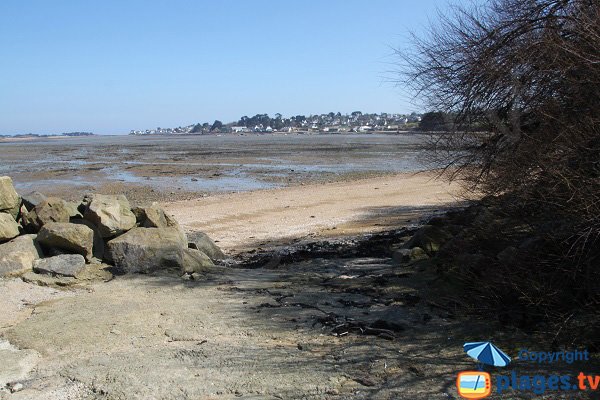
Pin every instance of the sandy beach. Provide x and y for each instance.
(242, 221)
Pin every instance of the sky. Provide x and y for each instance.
(111, 66)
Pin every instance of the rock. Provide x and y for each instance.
(201, 241)
(64, 265)
(10, 202)
(410, 255)
(196, 261)
(148, 249)
(140, 214)
(111, 214)
(95, 272)
(32, 199)
(52, 209)
(98, 247)
(73, 210)
(9, 228)
(401, 255)
(417, 254)
(48, 280)
(72, 238)
(18, 255)
(430, 238)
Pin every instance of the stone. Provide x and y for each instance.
(73, 210)
(52, 209)
(201, 241)
(10, 202)
(98, 247)
(417, 254)
(430, 238)
(18, 255)
(32, 199)
(146, 250)
(73, 238)
(64, 265)
(196, 261)
(111, 214)
(48, 280)
(9, 228)
(401, 255)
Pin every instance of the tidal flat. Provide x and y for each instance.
(164, 168)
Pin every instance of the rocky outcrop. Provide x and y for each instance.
(9, 228)
(201, 241)
(52, 209)
(111, 214)
(72, 238)
(148, 249)
(10, 202)
(18, 255)
(63, 265)
(196, 261)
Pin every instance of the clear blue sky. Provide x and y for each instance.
(114, 65)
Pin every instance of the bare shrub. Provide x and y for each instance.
(522, 80)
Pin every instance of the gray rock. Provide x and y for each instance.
(196, 261)
(64, 265)
(148, 249)
(73, 238)
(417, 254)
(10, 202)
(52, 209)
(98, 247)
(9, 228)
(48, 280)
(201, 241)
(111, 214)
(430, 238)
(401, 255)
(32, 199)
(18, 255)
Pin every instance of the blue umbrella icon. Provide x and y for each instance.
(487, 353)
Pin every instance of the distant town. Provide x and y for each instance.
(356, 122)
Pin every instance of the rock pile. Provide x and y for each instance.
(47, 235)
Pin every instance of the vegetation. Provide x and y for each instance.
(522, 82)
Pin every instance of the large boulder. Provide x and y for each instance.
(9, 228)
(156, 217)
(196, 261)
(148, 249)
(201, 241)
(64, 265)
(111, 214)
(10, 202)
(32, 199)
(72, 238)
(18, 255)
(50, 210)
(98, 248)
